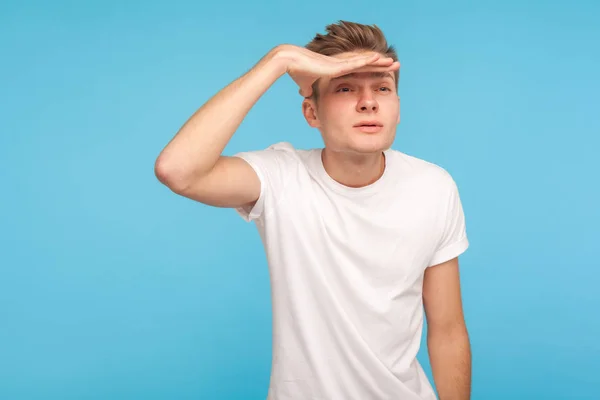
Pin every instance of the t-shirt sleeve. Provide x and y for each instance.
(271, 166)
(453, 241)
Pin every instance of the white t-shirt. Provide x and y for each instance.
(346, 268)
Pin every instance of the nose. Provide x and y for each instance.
(367, 103)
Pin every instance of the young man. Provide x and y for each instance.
(360, 238)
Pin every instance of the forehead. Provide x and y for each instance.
(364, 75)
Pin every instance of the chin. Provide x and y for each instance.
(371, 143)
(362, 143)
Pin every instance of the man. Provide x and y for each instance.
(360, 238)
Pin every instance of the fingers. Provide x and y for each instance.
(371, 58)
(367, 68)
(366, 63)
(359, 61)
(382, 62)
(395, 65)
(327, 66)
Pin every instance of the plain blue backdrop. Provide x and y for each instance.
(112, 287)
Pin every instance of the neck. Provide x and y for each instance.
(353, 169)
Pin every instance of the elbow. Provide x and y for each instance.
(170, 174)
(446, 331)
(163, 170)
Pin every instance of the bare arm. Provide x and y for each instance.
(447, 336)
(192, 163)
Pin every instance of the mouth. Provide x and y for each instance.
(369, 126)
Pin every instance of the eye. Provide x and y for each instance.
(385, 89)
(343, 89)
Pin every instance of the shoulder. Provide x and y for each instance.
(283, 150)
(278, 161)
(285, 147)
(276, 155)
(423, 172)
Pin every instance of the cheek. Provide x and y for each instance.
(337, 108)
(391, 107)
(330, 114)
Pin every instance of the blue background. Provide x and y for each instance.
(112, 287)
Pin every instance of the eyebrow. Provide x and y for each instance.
(356, 75)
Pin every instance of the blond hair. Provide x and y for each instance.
(346, 36)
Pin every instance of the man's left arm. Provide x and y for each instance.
(447, 336)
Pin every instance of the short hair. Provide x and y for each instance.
(345, 36)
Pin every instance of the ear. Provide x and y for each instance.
(309, 110)
(399, 111)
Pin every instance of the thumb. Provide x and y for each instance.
(306, 86)
(306, 90)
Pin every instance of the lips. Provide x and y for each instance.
(371, 124)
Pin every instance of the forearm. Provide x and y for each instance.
(450, 356)
(197, 146)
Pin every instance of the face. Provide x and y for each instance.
(356, 113)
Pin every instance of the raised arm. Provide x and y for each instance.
(192, 163)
